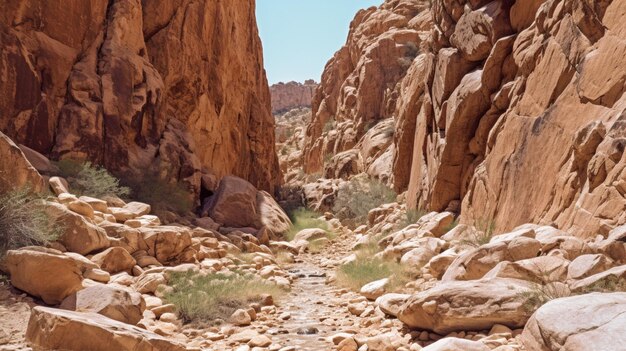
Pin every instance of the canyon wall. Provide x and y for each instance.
(287, 96)
(175, 87)
(508, 111)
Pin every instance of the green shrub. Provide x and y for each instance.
(364, 270)
(303, 218)
(88, 179)
(329, 125)
(411, 216)
(482, 235)
(161, 194)
(24, 221)
(356, 198)
(367, 268)
(217, 295)
(540, 294)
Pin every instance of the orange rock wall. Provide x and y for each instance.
(288, 96)
(511, 112)
(174, 85)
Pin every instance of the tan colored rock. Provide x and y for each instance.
(15, 170)
(391, 303)
(120, 305)
(114, 260)
(241, 318)
(375, 289)
(124, 63)
(148, 283)
(287, 96)
(82, 208)
(467, 305)
(44, 273)
(586, 265)
(166, 243)
(77, 233)
(455, 344)
(558, 325)
(49, 328)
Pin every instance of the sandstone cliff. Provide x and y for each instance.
(288, 96)
(177, 86)
(511, 111)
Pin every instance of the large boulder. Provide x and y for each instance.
(54, 329)
(578, 323)
(44, 273)
(114, 260)
(166, 243)
(456, 344)
(238, 204)
(15, 170)
(273, 217)
(77, 233)
(115, 303)
(234, 204)
(467, 305)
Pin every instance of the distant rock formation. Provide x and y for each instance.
(287, 96)
(177, 86)
(507, 111)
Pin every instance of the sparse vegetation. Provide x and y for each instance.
(610, 283)
(540, 294)
(329, 125)
(217, 295)
(85, 178)
(367, 267)
(411, 216)
(303, 218)
(313, 177)
(355, 199)
(24, 220)
(483, 234)
(161, 194)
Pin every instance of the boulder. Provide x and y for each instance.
(114, 260)
(130, 210)
(166, 243)
(77, 233)
(391, 303)
(456, 344)
(310, 234)
(118, 304)
(467, 305)
(578, 323)
(15, 170)
(44, 273)
(375, 289)
(273, 217)
(54, 329)
(234, 204)
(584, 266)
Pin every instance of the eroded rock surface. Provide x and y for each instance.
(176, 88)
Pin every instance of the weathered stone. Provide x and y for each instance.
(117, 304)
(49, 328)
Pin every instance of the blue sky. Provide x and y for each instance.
(300, 36)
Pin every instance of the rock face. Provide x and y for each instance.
(506, 110)
(49, 328)
(173, 87)
(557, 325)
(15, 170)
(287, 96)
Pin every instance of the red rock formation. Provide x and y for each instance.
(512, 111)
(288, 96)
(175, 85)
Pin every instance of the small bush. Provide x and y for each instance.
(411, 216)
(354, 275)
(161, 194)
(356, 198)
(483, 234)
(540, 294)
(303, 218)
(24, 221)
(367, 268)
(329, 125)
(216, 295)
(610, 283)
(88, 179)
